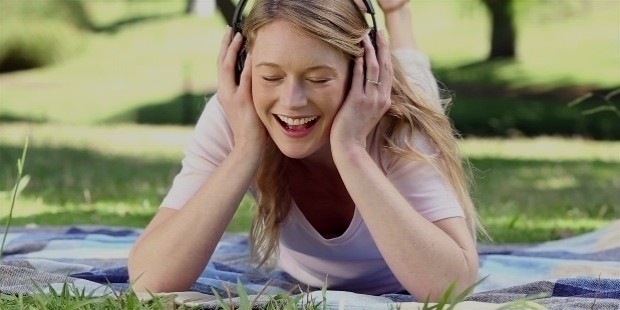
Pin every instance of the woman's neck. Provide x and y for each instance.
(321, 159)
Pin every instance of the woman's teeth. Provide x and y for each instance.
(296, 121)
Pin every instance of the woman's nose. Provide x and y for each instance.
(293, 95)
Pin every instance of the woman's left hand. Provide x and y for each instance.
(368, 98)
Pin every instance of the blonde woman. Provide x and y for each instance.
(346, 149)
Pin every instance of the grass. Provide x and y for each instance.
(527, 190)
(146, 59)
(134, 65)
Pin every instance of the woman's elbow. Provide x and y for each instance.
(463, 282)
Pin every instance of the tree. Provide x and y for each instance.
(503, 30)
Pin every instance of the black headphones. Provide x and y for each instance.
(237, 25)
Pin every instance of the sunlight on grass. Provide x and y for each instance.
(543, 148)
(141, 141)
(525, 189)
(145, 64)
(155, 61)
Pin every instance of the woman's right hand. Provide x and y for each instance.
(236, 100)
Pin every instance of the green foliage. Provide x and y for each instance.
(275, 302)
(118, 175)
(70, 297)
(607, 105)
(37, 43)
(449, 298)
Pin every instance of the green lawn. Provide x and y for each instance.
(147, 63)
(526, 189)
(152, 63)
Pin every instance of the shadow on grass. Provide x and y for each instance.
(70, 176)
(184, 109)
(11, 118)
(505, 116)
(536, 200)
(472, 114)
(497, 77)
(75, 217)
(86, 187)
(547, 188)
(121, 24)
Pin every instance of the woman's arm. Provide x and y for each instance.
(424, 256)
(398, 22)
(177, 244)
(416, 64)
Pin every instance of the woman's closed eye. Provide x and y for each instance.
(319, 80)
(271, 78)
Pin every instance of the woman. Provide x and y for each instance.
(353, 165)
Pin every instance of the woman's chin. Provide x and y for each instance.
(295, 153)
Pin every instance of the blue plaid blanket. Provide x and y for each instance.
(581, 272)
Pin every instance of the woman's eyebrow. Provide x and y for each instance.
(321, 67)
(267, 64)
(308, 69)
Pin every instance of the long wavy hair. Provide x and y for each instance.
(342, 25)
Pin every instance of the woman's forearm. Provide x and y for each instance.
(424, 257)
(400, 28)
(176, 246)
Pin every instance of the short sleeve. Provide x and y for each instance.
(209, 144)
(420, 183)
(417, 67)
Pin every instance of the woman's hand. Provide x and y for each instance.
(236, 100)
(368, 98)
(387, 6)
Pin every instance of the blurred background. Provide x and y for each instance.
(107, 93)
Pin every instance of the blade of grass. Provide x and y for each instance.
(20, 169)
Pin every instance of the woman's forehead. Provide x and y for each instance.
(282, 41)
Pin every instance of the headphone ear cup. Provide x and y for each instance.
(241, 56)
(373, 38)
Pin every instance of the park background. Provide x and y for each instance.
(107, 92)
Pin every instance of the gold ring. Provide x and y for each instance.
(373, 82)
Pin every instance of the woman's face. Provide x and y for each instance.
(298, 84)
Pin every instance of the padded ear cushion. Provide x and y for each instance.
(241, 56)
(373, 38)
(237, 25)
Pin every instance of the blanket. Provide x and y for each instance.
(581, 272)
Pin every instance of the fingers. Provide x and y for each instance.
(224, 46)
(227, 68)
(246, 75)
(372, 65)
(386, 71)
(357, 81)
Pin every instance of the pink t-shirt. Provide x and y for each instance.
(351, 261)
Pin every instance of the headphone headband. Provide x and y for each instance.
(238, 15)
(237, 24)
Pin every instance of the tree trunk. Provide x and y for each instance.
(227, 8)
(189, 6)
(503, 31)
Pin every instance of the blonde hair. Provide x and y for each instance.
(342, 25)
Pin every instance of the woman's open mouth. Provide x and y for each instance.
(296, 127)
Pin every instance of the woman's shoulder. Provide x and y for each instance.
(384, 146)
